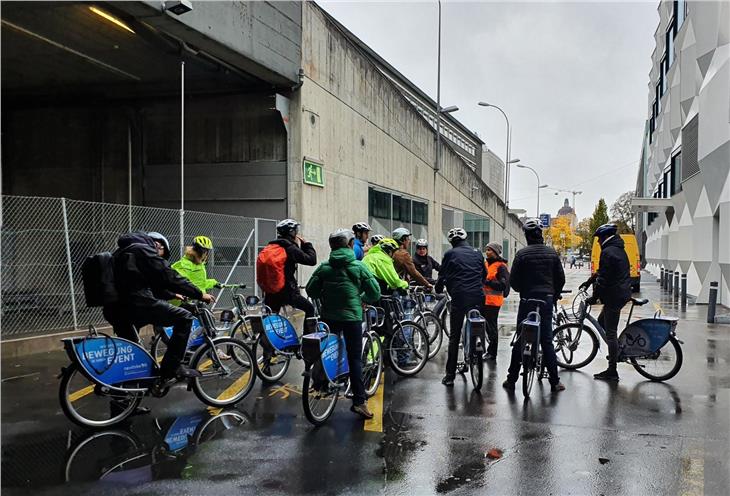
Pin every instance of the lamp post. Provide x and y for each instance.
(507, 154)
(539, 186)
(438, 103)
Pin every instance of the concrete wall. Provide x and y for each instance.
(352, 119)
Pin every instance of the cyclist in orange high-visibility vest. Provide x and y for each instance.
(495, 288)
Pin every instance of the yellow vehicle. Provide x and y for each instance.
(631, 247)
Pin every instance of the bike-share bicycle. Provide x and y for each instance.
(406, 343)
(109, 376)
(426, 318)
(472, 346)
(530, 351)
(650, 345)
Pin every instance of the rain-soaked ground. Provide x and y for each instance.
(635, 437)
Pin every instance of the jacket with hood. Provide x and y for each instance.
(381, 266)
(426, 265)
(142, 276)
(406, 269)
(342, 283)
(305, 255)
(192, 268)
(613, 279)
(537, 270)
(463, 273)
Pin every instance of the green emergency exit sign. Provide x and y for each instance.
(313, 173)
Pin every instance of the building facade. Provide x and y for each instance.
(683, 184)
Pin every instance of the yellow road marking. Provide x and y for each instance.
(693, 472)
(230, 392)
(375, 424)
(285, 391)
(80, 393)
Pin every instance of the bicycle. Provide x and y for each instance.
(641, 343)
(108, 376)
(529, 336)
(441, 309)
(471, 349)
(372, 350)
(406, 342)
(428, 319)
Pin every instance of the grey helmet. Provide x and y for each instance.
(287, 227)
(456, 233)
(421, 243)
(341, 238)
(532, 224)
(400, 233)
(162, 240)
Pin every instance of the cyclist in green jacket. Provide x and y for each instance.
(379, 261)
(342, 284)
(192, 265)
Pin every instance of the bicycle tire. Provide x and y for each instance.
(528, 377)
(572, 329)
(155, 350)
(372, 360)
(226, 397)
(422, 355)
(259, 362)
(477, 370)
(245, 335)
(674, 371)
(308, 394)
(122, 436)
(75, 416)
(435, 340)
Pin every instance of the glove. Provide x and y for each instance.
(585, 285)
(591, 300)
(218, 285)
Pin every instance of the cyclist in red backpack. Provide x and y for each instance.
(276, 268)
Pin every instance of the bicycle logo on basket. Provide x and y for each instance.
(637, 340)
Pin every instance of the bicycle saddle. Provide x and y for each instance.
(639, 302)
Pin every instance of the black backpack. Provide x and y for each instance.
(97, 272)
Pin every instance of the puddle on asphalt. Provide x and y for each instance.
(467, 473)
(397, 445)
(148, 449)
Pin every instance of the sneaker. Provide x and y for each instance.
(448, 380)
(510, 385)
(223, 356)
(362, 410)
(556, 388)
(184, 372)
(607, 375)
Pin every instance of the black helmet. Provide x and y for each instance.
(361, 227)
(606, 230)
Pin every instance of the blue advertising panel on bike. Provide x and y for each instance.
(114, 360)
(645, 336)
(179, 433)
(280, 332)
(334, 356)
(196, 334)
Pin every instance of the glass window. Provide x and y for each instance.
(680, 12)
(477, 229)
(505, 249)
(676, 173)
(669, 44)
(380, 212)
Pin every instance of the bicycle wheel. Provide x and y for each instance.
(318, 400)
(575, 306)
(407, 348)
(575, 346)
(88, 460)
(372, 363)
(270, 365)
(528, 376)
(435, 335)
(226, 380)
(158, 347)
(661, 365)
(88, 404)
(243, 331)
(477, 370)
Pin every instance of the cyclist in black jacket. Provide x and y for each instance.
(611, 285)
(464, 274)
(537, 273)
(144, 281)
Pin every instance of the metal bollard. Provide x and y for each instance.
(669, 282)
(712, 304)
(661, 278)
(676, 285)
(684, 292)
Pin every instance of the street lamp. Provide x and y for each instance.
(539, 186)
(507, 154)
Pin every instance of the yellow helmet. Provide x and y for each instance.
(203, 242)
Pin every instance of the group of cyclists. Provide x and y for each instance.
(361, 269)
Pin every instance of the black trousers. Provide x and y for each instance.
(458, 313)
(124, 318)
(609, 319)
(352, 332)
(278, 300)
(491, 315)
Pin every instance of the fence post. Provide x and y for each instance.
(182, 232)
(676, 285)
(684, 292)
(712, 304)
(69, 264)
(255, 253)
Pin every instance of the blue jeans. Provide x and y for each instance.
(549, 359)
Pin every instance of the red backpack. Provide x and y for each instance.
(270, 268)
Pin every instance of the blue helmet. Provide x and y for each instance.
(606, 230)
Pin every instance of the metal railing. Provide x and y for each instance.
(44, 241)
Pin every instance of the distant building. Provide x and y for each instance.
(493, 172)
(567, 211)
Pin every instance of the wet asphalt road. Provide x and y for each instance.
(634, 437)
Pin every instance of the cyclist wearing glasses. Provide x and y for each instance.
(144, 280)
(496, 287)
(362, 231)
(192, 266)
(611, 285)
(424, 263)
(343, 284)
(403, 260)
(537, 273)
(463, 273)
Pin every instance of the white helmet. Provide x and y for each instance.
(532, 225)
(162, 240)
(456, 233)
(341, 238)
(287, 227)
(421, 243)
(361, 227)
(376, 238)
(400, 233)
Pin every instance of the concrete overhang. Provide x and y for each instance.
(656, 205)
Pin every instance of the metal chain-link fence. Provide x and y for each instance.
(45, 240)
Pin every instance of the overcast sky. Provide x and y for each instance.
(572, 78)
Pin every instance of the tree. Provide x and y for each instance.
(584, 232)
(600, 216)
(622, 214)
(560, 235)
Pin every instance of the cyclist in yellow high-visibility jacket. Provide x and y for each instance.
(192, 265)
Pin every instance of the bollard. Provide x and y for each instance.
(661, 278)
(684, 292)
(668, 287)
(676, 285)
(712, 304)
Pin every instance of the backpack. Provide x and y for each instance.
(97, 273)
(270, 268)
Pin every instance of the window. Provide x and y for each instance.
(676, 173)
(669, 46)
(388, 211)
(663, 80)
(680, 13)
(477, 229)
(659, 97)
